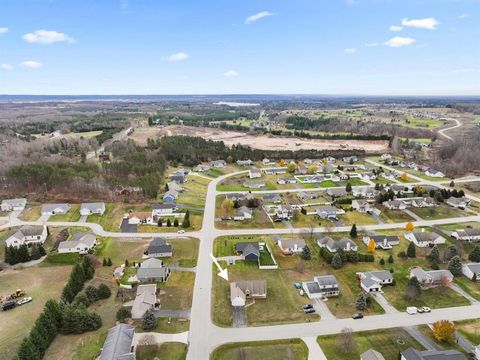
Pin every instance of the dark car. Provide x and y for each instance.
(357, 316)
(7, 305)
(309, 311)
(308, 306)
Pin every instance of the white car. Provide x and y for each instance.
(412, 310)
(181, 231)
(424, 309)
(24, 300)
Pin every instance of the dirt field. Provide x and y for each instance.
(263, 142)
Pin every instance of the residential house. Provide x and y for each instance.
(14, 204)
(307, 195)
(301, 170)
(272, 198)
(339, 177)
(235, 197)
(337, 192)
(431, 278)
(471, 271)
(159, 247)
(313, 179)
(460, 203)
(283, 212)
(395, 204)
(152, 270)
(328, 212)
(350, 159)
(80, 243)
(173, 186)
(434, 173)
(468, 234)
(424, 202)
(244, 162)
(291, 246)
(362, 205)
(364, 192)
(240, 291)
(384, 242)
(307, 161)
(371, 354)
(254, 184)
(159, 210)
(372, 281)
(275, 171)
(345, 244)
(97, 208)
(330, 159)
(367, 176)
(243, 213)
(201, 168)
(27, 235)
(254, 173)
(55, 209)
(284, 181)
(219, 164)
(170, 196)
(414, 354)
(249, 250)
(385, 157)
(266, 162)
(139, 217)
(119, 343)
(178, 177)
(321, 287)
(145, 299)
(424, 238)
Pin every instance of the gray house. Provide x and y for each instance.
(92, 208)
(55, 209)
(13, 204)
(118, 344)
(159, 247)
(414, 354)
(249, 250)
(152, 270)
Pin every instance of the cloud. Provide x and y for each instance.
(464, 16)
(256, 17)
(180, 56)
(350, 50)
(399, 41)
(427, 23)
(31, 64)
(230, 74)
(46, 37)
(3, 30)
(6, 66)
(372, 44)
(395, 28)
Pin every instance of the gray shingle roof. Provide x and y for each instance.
(159, 245)
(118, 344)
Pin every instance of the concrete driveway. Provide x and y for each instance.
(322, 309)
(386, 306)
(239, 316)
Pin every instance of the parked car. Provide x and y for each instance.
(309, 311)
(24, 300)
(357, 316)
(412, 310)
(181, 231)
(424, 309)
(308, 306)
(7, 305)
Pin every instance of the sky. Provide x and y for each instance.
(348, 47)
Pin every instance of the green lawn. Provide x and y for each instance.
(358, 218)
(388, 342)
(31, 213)
(166, 351)
(471, 287)
(470, 329)
(107, 219)
(177, 291)
(395, 216)
(439, 212)
(294, 349)
(72, 215)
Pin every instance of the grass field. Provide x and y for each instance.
(72, 215)
(42, 284)
(395, 216)
(166, 351)
(388, 342)
(470, 329)
(439, 212)
(355, 217)
(294, 349)
(31, 213)
(177, 292)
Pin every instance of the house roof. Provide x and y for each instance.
(329, 210)
(255, 287)
(414, 354)
(381, 275)
(456, 201)
(145, 299)
(382, 238)
(87, 239)
(468, 232)
(368, 282)
(28, 230)
(140, 214)
(371, 354)
(313, 287)
(290, 243)
(425, 236)
(242, 210)
(336, 244)
(152, 272)
(326, 280)
(93, 206)
(474, 267)
(434, 275)
(53, 207)
(118, 344)
(163, 206)
(159, 245)
(247, 248)
(271, 197)
(15, 202)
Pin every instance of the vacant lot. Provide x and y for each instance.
(388, 342)
(439, 212)
(294, 349)
(41, 284)
(264, 142)
(166, 351)
(31, 213)
(177, 292)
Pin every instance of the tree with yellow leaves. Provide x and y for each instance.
(404, 176)
(409, 226)
(312, 169)
(443, 330)
(227, 207)
(281, 162)
(291, 167)
(371, 246)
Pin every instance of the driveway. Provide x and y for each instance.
(389, 309)
(128, 228)
(460, 291)
(314, 350)
(176, 314)
(322, 309)
(412, 214)
(420, 337)
(239, 316)
(83, 218)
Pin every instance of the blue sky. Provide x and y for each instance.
(386, 47)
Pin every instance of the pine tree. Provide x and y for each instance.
(455, 265)
(450, 252)
(104, 262)
(169, 223)
(68, 293)
(149, 322)
(123, 313)
(82, 299)
(38, 341)
(382, 261)
(411, 250)
(434, 255)
(361, 302)
(348, 187)
(306, 253)
(337, 262)
(35, 253)
(88, 269)
(109, 262)
(353, 231)
(104, 291)
(413, 291)
(159, 223)
(23, 255)
(175, 222)
(41, 249)
(53, 311)
(390, 259)
(475, 254)
(186, 220)
(27, 351)
(92, 293)
(127, 264)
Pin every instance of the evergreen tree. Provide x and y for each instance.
(361, 301)
(127, 264)
(109, 262)
(41, 249)
(123, 314)
(77, 320)
(337, 261)
(390, 259)
(413, 291)
(149, 322)
(159, 223)
(475, 254)
(306, 253)
(23, 255)
(82, 299)
(411, 250)
(175, 222)
(434, 255)
(88, 269)
(353, 231)
(450, 252)
(382, 261)
(169, 223)
(92, 293)
(35, 253)
(455, 265)
(103, 291)
(104, 262)
(348, 187)
(186, 220)
(68, 294)
(452, 183)
(53, 311)
(38, 341)
(27, 351)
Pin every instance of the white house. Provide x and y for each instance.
(361, 205)
(460, 203)
(468, 234)
(219, 164)
(424, 238)
(80, 243)
(55, 209)
(284, 212)
(243, 213)
(384, 242)
(254, 173)
(395, 205)
(240, 291)
(139, 217)
(471, 271)
(145, 299)
(28, 234)
(328, 212)
(431, 278)
(321, 287)
(373, 281)
(434, 173)
(424, 202)
(92, 208)
(13, 204)
(163, 209)
(291, 246)
(333, 246)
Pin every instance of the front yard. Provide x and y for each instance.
(439, 212)
(72, 215)
(294, 349)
